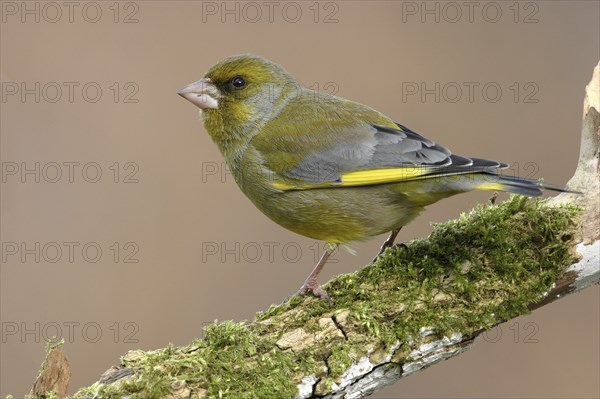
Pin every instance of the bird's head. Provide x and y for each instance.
(238, 93)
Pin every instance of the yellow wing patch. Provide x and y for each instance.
(384, 175)
(491, 186)
(363, 178)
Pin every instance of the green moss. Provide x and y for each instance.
(471, 273)
(231, 362)
(339, 360)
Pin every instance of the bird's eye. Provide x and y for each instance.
(238, 82)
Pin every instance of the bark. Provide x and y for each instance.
(54, 374)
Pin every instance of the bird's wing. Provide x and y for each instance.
(364, 154)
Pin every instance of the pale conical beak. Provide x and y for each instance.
(203, 94)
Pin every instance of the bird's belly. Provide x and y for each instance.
(339, 215)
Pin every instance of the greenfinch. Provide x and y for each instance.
(325, 167)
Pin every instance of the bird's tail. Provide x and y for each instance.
(515, 185)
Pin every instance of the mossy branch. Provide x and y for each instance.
(410, 309)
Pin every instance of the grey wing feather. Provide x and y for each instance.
(374, 146)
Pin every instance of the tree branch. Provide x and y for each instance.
(413, 307)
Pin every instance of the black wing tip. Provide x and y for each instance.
(457, 160)
(488, 163)
(476, 164)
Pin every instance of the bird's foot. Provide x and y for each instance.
(400, 245)
(315, 289)
(388, 243)
(493, 198)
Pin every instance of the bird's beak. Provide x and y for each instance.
(203, 94)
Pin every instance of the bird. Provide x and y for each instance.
(326, 167)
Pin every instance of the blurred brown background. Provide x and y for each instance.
(181, 246)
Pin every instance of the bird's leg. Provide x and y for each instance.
(311, 283)
(387, 243)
